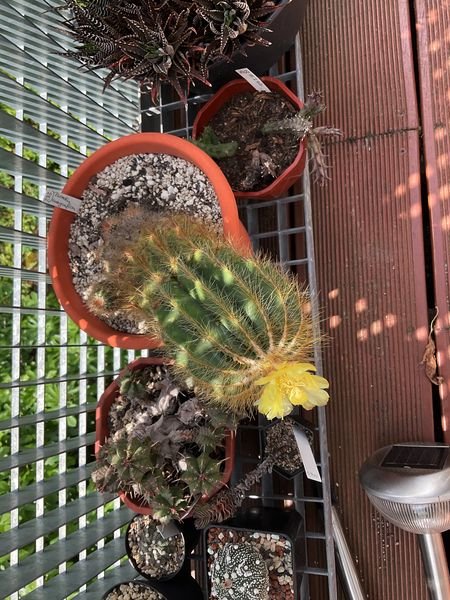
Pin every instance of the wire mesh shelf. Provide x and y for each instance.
(59, 538)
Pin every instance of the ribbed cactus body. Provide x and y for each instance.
(225, 319)
(239, 573)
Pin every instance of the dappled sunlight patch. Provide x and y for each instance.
(421, 334)
(333, 294)
(376, 327)
(335, 321)
(361, 305)
(362, 334)
(390, 320)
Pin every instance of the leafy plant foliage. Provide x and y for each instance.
(155, 42)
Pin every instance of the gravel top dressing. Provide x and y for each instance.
(154, 555)
(159, 182)
(134, 591)
(275, 549)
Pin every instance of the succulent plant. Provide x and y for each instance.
(148, 41)
(236, 22)
(210, 143)
(163, 447)
(301, 125)
(155, 42)
(239, 572)
(281, 450)
(230, 323)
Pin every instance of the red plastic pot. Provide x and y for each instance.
(58, 235)
(102, 432)
(289, 176)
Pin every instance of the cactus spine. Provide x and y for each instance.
(226, 320)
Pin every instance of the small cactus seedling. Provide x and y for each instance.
(210, 143)
(239, 572)
(230, 323)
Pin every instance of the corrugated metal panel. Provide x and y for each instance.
(369, 248)
(433, 18)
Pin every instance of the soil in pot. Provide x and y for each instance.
(133, 591)
(158, 182)
(275, 549)
(289, 463)
(153, 555)
(260, 157)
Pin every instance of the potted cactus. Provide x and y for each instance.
(267, 534)
(158, 554)
(160, 171)
(239, 572)
(157, 446)
(281, 455)
(181, 587)
(137, 590)
(239, 328)
(153, 555)
(263, 137)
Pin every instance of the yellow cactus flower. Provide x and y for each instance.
(289, 385)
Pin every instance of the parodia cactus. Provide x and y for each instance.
(239, 573)
(231, 323)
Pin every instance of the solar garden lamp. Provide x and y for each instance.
(409, 484)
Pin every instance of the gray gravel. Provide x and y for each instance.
(159, 182)
(134, 591)
(155, 556)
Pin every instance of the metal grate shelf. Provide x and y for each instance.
(59, 538)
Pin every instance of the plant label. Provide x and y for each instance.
(60, 200)
(253, 80)
(168, 529)
(304, 447)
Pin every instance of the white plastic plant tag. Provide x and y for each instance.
(168, 529)
(253, 80)
(309, 462)
(61, 200)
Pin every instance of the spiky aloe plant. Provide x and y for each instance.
(155, 42)
(235, 23)
(231, 323)
(148, 41)
(301, 125)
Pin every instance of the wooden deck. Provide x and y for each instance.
(382, 242)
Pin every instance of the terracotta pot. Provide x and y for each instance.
(289, 176)
(58, 235)
(102, 432)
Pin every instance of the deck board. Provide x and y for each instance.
(371, 267)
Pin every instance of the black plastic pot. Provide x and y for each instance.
(136, 581)
(190, 535)
(185, 588)
(285, 23)
(308, 428)
(285, 523)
